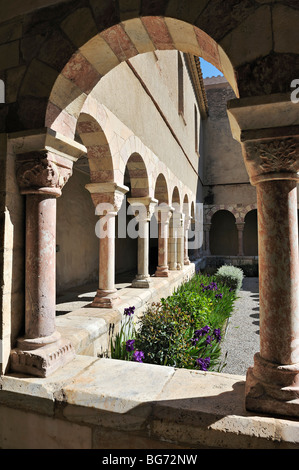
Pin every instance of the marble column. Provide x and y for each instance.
(240, 228)
(181, 241)
(172, 242)
(163, 215)
(107, 198)
(143, 209)
(187, 223)
(271, 157)
(41, 176)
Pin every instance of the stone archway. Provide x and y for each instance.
(223, 234)
(250, 233)
(249, 44)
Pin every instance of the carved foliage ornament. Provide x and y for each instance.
(278, 155)
(39, 173)
(275, 156)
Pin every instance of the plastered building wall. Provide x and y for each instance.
(142, 101)
(225, 177)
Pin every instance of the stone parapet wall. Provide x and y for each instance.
(89, 329)
(109, 404)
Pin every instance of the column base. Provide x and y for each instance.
(187, 262)
(272, 388)
(143, 282)
(40, 359)
(179, 266)
(104, 299)
(162, 271)
(173, 267)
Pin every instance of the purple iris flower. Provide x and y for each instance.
(203, 364)
(208, 340)
(202, 331)
(217, 334)
(130, 345)
(138, 356)
(129, 311)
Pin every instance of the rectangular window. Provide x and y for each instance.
(2, 92)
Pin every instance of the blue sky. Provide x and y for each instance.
(208, 70)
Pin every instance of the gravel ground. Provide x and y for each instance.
(241, 340)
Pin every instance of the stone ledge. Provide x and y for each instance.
(88, 328)
(121, 404)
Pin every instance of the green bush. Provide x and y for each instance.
(168, 336)
(182, 330)
(230, 276)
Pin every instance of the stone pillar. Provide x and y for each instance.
(143, 209)
(163, 215)
(206, 229)
(172, 242)
(187, 222)
(271, 157)
(240, 228)
(41, 175)
(180, 241)
(107, 198)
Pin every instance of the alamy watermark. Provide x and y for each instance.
(2, 92)
(132, 226)
(295, 93)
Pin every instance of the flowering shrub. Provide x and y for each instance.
(122, 344)
(231, 276)
(182, 330)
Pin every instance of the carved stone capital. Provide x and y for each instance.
(272, 159)
(107, 197)
(42, 172)
(163, 213)
(187, 222)
(143, 207)
(44, 160)
(268, 129)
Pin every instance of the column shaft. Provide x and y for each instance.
(240, 228)
(40, 294)
(279, 275)
(107, 256)
(162, 268)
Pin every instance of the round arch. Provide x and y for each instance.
(186, 205)
(98, 151)
(223, 234)
(99, 53)
(137, 176)
(161, 190)
(85, 41)
(175, 199)
(250, 236)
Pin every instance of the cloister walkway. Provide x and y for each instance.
(241, 340)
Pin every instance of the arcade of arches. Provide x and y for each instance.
(93, 91)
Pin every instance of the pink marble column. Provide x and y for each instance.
(240, 228)
(107, 198)
(180, 242)
(163, 216)
(272, 384)
(143, 209)
(172, 242)
(186, 236)
(42, 350)
(268, 129)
